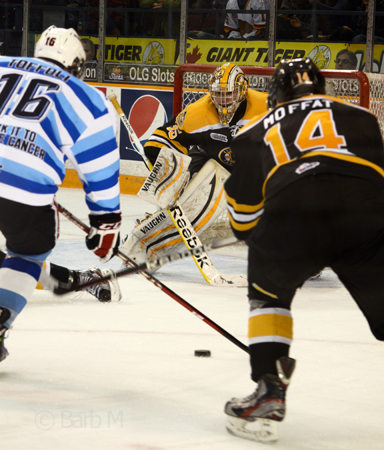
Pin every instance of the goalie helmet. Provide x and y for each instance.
(63, 47)
(294, 79)
(227, 87)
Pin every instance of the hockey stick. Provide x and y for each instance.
(160, 285)
(181, 221)
(155, 264)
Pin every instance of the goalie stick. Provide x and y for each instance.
(182, 223)
(160, 285)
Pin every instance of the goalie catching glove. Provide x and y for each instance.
(167, 179)
(104, 236)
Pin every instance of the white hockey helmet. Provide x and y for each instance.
(227, 87)
(63, 47)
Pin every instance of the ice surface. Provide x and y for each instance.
(87, 375)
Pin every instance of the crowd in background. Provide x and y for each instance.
(210, 19)
(297, 20)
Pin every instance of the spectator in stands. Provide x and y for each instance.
(246, 26)
(355, 31)
(59, 16)
(91, 25)
(345, 60)
(293, 27)
(359, 24)
(334, 20)
(322, 26)
(89, 48)
(208, 25)
(160, 21)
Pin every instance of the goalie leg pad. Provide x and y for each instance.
(167, 179)
(203, 201)
(152, 238)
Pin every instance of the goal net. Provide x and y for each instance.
(359, 88)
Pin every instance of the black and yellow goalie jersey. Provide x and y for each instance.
(199, 125)
(299, 138)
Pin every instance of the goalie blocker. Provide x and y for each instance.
(203, 203)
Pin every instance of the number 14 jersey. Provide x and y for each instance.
(314, 134)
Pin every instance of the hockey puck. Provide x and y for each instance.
(203, 353)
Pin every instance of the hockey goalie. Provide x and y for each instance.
(191, 158)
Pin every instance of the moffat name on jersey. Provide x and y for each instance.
(290, 108)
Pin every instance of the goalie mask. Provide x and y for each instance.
(227, 87)
(63, 47)
(294, 79)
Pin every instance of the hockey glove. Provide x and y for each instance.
(104, 236)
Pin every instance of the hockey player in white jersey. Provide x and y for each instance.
(48, 115)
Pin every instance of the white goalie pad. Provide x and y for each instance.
(167, 179)
(203, 201)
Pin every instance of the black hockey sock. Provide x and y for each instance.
(264, 357)
(63, 274)
(2, 257)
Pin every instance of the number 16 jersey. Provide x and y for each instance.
(46, 117)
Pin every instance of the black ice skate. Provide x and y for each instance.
(3, 351)
(255, 417)
(104, 292)
(4, 316)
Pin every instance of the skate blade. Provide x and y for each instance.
(113, 285)
(260, 430)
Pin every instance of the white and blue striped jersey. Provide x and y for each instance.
(46, 117)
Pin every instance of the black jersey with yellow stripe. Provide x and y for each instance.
(199, 125)
(310, 135)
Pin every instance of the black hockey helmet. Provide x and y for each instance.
(294, 78)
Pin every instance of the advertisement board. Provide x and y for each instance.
(146, 111)
(255, 53)
(149, 61)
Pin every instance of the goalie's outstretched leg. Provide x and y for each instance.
(256, 417)
(203, 203)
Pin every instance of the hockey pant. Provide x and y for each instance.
(203, 202)
(30, 233)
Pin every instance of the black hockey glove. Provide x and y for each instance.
(104, 236)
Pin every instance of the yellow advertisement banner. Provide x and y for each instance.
(138, 50)
(255, 53)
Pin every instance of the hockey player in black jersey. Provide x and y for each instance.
(203, 131)
(309, 195)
